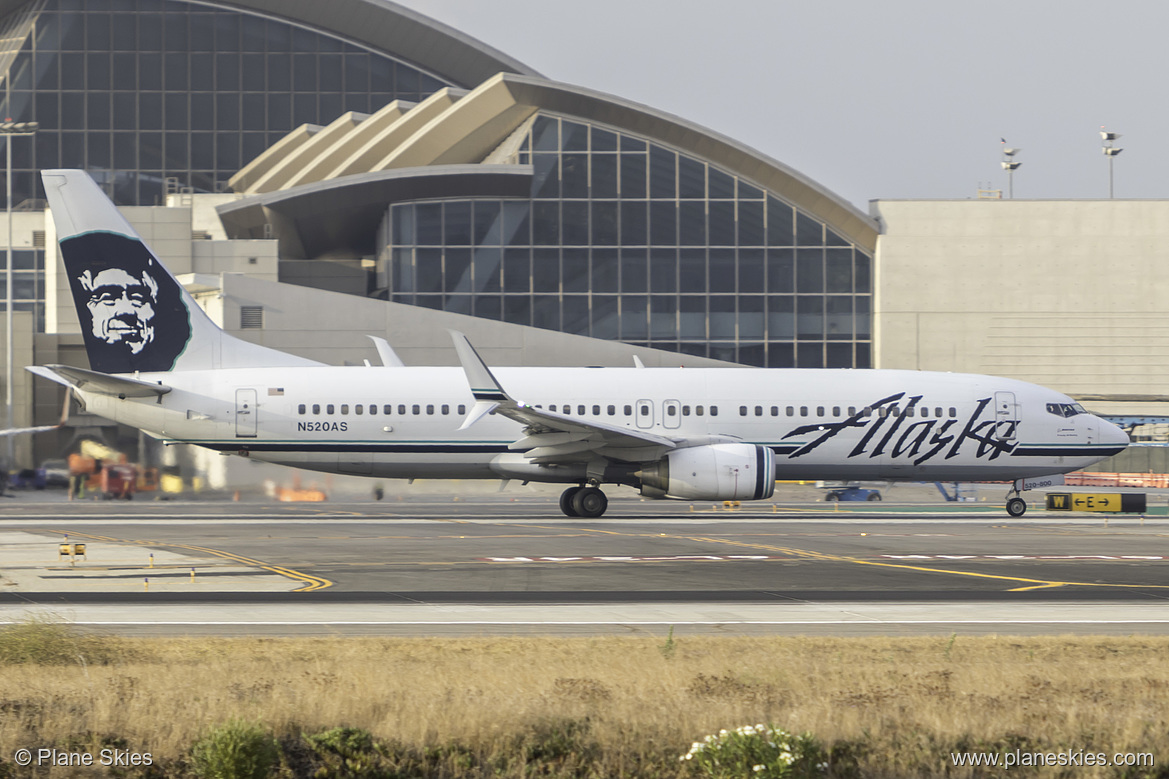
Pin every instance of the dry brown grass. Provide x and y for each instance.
(900, 705)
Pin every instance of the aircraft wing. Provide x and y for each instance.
(550, 437)
(101, 383)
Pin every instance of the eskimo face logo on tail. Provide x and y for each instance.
(131, 311)
(122, 307)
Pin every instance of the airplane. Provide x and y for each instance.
(159, 363)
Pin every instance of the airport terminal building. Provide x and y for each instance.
(317, 172)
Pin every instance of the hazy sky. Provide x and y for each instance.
(889, 99)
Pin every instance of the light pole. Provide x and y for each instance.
(1009, 165)
(1110, 152)
(9, 128)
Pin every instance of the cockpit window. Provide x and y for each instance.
(1065, 409)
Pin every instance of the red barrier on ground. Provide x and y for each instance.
(1147, 480)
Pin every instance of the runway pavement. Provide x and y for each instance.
(494, 565)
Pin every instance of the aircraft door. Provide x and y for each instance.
(245, 413)
(671, 413)
(645, 414)
(1006, 416)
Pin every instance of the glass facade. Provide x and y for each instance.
(146, 94)
(628, 240)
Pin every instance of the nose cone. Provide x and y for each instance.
(1111, 434)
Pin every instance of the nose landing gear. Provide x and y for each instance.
(585, 501)
(1016, 506)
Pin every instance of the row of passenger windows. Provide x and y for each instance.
(387, 409)
(821, 411)
(672, 410)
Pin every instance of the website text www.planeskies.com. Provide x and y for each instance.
(1018, 758)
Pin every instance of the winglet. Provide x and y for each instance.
(389, 357)
(484, 386)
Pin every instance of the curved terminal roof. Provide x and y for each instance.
(466, 131)
(383, 26)
(342, 214)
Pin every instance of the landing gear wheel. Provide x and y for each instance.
(1016, 507)
(566, 500)
(589, 502)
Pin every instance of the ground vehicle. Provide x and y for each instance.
(853, 493)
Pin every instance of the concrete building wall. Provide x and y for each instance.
(255, 258)
(1067, 294)
(23, 328)
(330, 327)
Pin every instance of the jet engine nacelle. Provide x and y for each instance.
(714, 472)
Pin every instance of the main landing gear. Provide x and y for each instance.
(585, 501)
(1016, 506)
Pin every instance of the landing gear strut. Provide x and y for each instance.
(1016, 506)
(588, 502)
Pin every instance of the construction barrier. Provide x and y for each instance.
(1143, 480)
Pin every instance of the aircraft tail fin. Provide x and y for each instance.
(134, 315)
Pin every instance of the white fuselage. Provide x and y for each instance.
(921, 426)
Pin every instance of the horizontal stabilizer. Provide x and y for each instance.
(101, 383)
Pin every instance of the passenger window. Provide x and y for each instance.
(329, 408)
(836, 411)
(612, 410)
(759, 411)
(645, 411)
(909, 411)
(416, 409)
(629, 411)
(953, 412)
(462, 409)
(714, 411)
(387, 409)
(580, 410)
(791, 411)
(344, 408)
(819, 411)
(596, 411)
(698, 410)
(373, 409)
(742, 411)
(300, 409)
(430, 409)
(358, 409)
(775, 411)
(852, 411)
(316, 408)
(671, 411)
(446, 409)
(685, 411)
(803, 411)
(401, 409)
